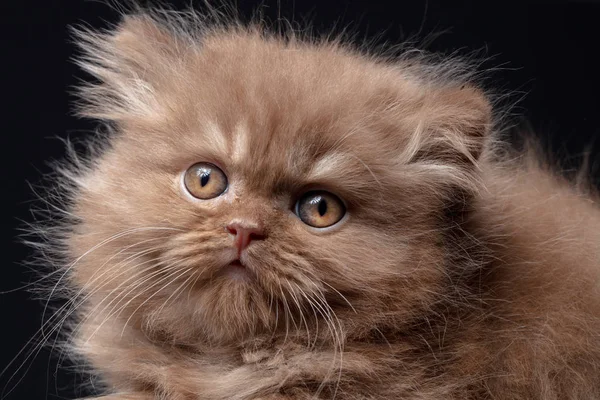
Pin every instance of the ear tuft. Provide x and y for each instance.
(128, 63)
(141, 41)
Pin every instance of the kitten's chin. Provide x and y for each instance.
(233, 304)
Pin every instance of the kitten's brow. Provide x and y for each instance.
(331, 166)
(216, 137)
(239, 143)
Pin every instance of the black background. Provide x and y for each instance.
(547, 51)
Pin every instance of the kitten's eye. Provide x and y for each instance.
(205, 181)
(320, 209)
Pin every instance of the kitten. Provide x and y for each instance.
(286, 218)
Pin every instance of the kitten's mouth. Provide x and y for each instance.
(236, 270)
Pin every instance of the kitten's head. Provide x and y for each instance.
(252, 177)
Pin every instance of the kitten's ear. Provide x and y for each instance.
(129, 64)
(448, 132)
(453, 123)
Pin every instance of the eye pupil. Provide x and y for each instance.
(204, 178)
(322, 207)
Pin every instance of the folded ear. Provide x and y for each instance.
(448, 126)
(453, 124)
(129, 64)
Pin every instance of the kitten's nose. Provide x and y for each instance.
(245, 233)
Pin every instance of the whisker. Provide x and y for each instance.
(302, 319)
(310, 302)
(285, 312)
(340, 346)
(154, 294)
(94, 248)
(181, 287)
(83, 300)
(44, 337)
(110, 279)
(341, 295)
(118, 298)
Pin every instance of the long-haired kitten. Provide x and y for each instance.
(275, 217)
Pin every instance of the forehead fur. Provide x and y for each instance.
(276, 109)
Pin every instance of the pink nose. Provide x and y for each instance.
(244, 234)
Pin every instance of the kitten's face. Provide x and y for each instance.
(233, 252)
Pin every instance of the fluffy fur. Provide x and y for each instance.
(458, 274)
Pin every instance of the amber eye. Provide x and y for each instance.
(205, 181)
(320, 209)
